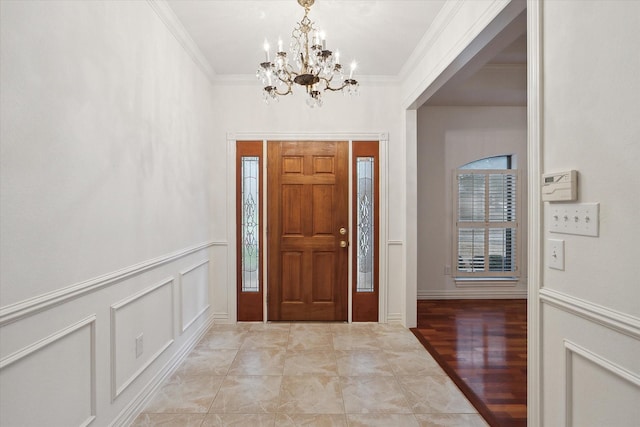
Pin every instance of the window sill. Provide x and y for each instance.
(486, 281)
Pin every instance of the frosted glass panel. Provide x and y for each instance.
(365, 167)
(250, 224)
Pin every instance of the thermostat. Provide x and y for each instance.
(560, 187)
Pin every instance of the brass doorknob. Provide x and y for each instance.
(343, 243)
(343, 231)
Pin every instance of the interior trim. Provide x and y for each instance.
(28, 307)
(572, 349)
(117, 389)
(534, 252)
(175, 27)
(612, 319)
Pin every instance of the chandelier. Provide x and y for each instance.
(317, 69)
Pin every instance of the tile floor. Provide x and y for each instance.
(309, 374)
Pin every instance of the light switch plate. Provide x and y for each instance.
(575, 218)
(555, 254)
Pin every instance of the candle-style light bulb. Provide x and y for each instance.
(353, 67)
(266, 50)
(337, 56)
(323, 37)
(280, 45)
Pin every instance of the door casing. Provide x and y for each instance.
(385, 244)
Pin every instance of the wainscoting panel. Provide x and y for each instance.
(141, 329)
(590, 378)
(64, 361)
(395, 274)
(591, 373)
(194, 293)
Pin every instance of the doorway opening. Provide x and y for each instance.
(308, 230)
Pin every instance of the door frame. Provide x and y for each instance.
(232, 138)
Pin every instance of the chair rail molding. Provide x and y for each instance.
(612, 319)
(19, 310)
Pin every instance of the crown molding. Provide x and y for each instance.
(175, 27)
(441, 21)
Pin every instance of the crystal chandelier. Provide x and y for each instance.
(317, 69)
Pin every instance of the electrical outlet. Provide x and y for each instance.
(139, 345)
(555, 254)
(575, 218)
(447, 270)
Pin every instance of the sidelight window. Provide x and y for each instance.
(250, 215)
(365, 223)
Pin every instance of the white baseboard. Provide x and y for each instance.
(394, 318)
(137, 404)
(472, 294)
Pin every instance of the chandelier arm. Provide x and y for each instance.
(312, 65)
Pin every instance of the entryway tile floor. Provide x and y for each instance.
(309, 374)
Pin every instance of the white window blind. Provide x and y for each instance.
(487, 231)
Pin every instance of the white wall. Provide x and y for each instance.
(591, 310)
(240, 111)
(449, 137)
(106, 126)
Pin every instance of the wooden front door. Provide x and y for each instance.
(307, 208)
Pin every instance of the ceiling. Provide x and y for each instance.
(379, 34)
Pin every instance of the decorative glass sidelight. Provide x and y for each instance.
(365, 167)
(250, 224)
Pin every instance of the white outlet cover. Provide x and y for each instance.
(555, 254)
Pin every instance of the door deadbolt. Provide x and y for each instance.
(343, 231)
(343, 243)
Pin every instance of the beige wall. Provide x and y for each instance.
(449, 137)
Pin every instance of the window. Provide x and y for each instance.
(365, 224)
(249, 230)
(486, 223)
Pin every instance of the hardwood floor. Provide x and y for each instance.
(482, 345)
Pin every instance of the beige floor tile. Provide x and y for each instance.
(434, 394)
(310, 363)
(239, 420)
(310, 420)
(451, 420)
(364, 395)
(355, 341)
(353, 328)
(204, 361)
(309, 374)
(324, 328)
(185, 394)
(417, 362)
(382, 420)
(270, 327)
(263, 361)
(310, 340)
(265, 339)
(398, 340)
(247, 395)
(362, 362)
(223, 340)
(168, 420)
(311, 394)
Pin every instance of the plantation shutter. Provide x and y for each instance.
(486, 223)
